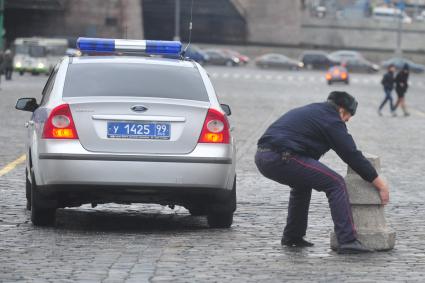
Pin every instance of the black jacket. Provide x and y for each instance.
(401, 81)
(388, 81)
(311, 131)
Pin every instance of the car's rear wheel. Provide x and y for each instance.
(41, 213)
(27, 190)
(221, 215)
(220, 220)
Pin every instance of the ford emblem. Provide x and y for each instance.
(139, 108)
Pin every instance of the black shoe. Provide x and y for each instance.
(354, 247)
(296, 242)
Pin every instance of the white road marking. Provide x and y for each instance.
(417, 112)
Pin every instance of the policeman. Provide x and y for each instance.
(288, 153)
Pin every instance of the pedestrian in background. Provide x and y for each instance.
(401, 85)
(8, 64)
(289, 153)
(388, 84)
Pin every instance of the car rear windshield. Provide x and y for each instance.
(132, 79)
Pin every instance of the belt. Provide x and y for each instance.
(265, 149)
(284, 154)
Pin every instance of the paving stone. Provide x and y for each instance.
(149, 243)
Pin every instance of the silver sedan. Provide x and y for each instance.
(129, 129)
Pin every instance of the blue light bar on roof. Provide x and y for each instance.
(106, 45)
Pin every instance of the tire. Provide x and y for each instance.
(41, 215)
(27, 190)
(229, 64)
(329, 82)
(347, 82)
(221, 216)
(220, 220)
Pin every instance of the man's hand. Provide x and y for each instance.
(383, 189)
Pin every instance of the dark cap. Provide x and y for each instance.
(344, 100)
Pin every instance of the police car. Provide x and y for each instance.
(127, 129)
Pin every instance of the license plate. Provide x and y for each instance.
(135, 130)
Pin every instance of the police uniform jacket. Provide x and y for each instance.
(311, 131)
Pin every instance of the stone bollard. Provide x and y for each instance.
(368, 212)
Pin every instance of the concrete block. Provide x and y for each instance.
(368, 212)
(379, 241)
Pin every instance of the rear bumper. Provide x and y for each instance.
(338, 80)
(148, 173)
(206, 167)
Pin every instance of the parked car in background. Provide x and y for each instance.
(314, 59)
(360, 65)
(400, 62)
(337, 74)
(340, 56)
(197, 54)
(390, 14)
(220, 57)
(273, 60)
(242, 58)
(353, 61)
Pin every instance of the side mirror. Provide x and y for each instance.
(27, 104)
(226, 109)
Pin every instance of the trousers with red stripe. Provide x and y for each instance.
(303, 174)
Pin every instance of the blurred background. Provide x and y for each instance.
(225, 32)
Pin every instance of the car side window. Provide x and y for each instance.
(49, 85)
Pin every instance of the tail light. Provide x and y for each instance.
(328, 76)
(215, 128)
(60, 124)
(343, 75)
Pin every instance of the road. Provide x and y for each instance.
(140, 243)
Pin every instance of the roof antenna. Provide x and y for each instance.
(190, 32)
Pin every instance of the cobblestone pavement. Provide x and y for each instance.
(139, 243)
